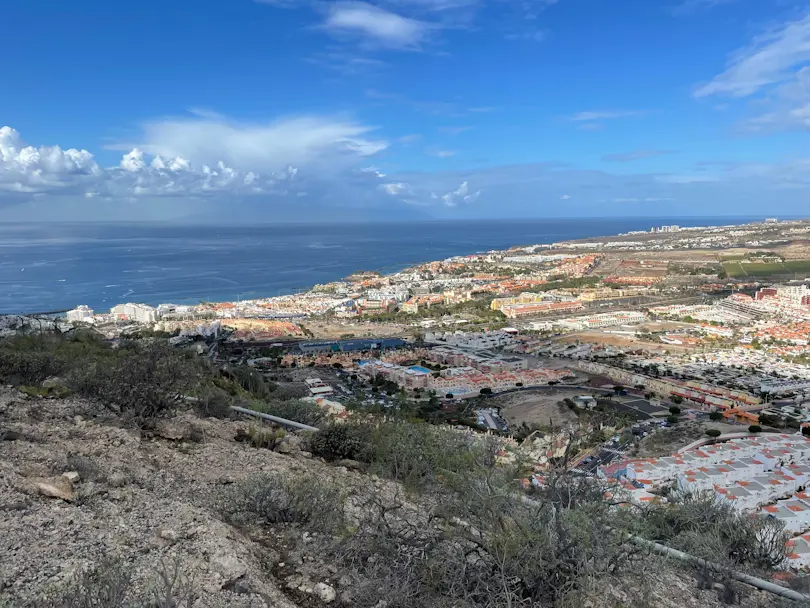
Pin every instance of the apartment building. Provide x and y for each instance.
(140, 313)
(80, 314)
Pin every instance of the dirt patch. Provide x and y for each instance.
(335, 330)
(536, 407)
(665, 442)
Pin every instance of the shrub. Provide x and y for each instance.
(45, 392)
(304, 412)
(106, 586)
(419, 454)
(672, 419)
(806, 431)
(215, 404)
(278, 499)
(754, 428)
(676, 399)
(704, 527)
(713, 433)
(142, 380)
(716, 416)
(250, 381)
(674, 410)
(29, 367)
(342, 441)
(262, 436)
(85, 467)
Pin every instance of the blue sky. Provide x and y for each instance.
(403, 108)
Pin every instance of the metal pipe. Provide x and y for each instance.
(276, 419)
(691, 559)
(740, 576)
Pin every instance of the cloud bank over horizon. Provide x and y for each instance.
(205, 166)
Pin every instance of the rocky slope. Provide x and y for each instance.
(151, 501)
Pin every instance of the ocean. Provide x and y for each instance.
(46, 267)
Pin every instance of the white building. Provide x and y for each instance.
(80, 314)
(140, 313)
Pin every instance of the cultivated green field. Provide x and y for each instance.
(764, 269)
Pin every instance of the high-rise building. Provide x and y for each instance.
(80, 314)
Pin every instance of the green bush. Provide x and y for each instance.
(304, 412)
(279, 499)
(672, 419)
(713, 432)
(754, 428)
(45, 392)
(716, 416)
(342, 441)
(28, 367)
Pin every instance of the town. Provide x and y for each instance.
(687, 351)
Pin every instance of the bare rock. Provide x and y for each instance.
(53, 381)
(73, 476)
(289, 445)
(353, 465)
(229, 566)
(117, 480)
(325, 592)
(54, 487)
(172, 430)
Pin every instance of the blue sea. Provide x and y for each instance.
(47, 267)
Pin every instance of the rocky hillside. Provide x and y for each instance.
(97, 513)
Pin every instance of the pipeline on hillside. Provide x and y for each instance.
(276, 419)
(655, 547)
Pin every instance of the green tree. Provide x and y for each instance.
(713, 433)
(754, 428)
(715, 416)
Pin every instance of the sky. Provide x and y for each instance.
(305, 110)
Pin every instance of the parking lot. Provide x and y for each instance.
(640, 408)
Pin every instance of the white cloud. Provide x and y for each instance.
(27, 169)
(768, 60)
(199, 157)
(410, 139)
(376, 25)
(604, 115)
(394, 188)
(565, 197)
(458, 196)
(259, 147)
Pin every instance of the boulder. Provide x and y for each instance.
(54, 487)
(229, 566)
(73, 476)
(325, 592)
(172, 430)
(290, 444)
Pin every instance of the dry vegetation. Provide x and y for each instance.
(161, 506)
